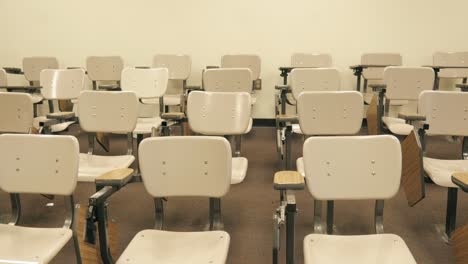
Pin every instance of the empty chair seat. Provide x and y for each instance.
(446, 114)
(336, 168)
(177, 247)
(369, 249)
(205, 172)
(37, 164)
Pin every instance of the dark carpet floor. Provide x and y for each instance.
(248, 208)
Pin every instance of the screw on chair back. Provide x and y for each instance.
(104, 68)
(385, 59)
(311, 60)
(146, 83)
(406, 83)
(62, 84)
(353, 167)
(446, 112)
(204, 172)
(218, 113)
(330, 113)
(33, 66)
(26, 169)
(228, 80)
(108, 112)
(252, 62)
(179, 66)
(314, 79)
(16, 112)
(451, 59)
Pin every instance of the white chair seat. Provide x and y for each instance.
(300, 166)
(366, 249)
(397, 126)
(164, 247)
(36, 98)
(296, 128)
(145, 125)
(92, 166)
(20, 244)
(440, 171)
(239, 169)
(172, 99)
(54, 128)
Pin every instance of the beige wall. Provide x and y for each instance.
(207, 29)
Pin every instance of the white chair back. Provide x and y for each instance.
(32, 67)
(205, 170)
(330, 113)
(314, 79)
(16, 113)
(228, 80)
(406, 83)
(62, 84)
(451, 59)
(446, 112)
(385, 59)
(353, 167)
(311, 60)
(252, 62)
(218, 114)
(104, 68)
(179, 66)
(146, 83)
(108, 112)
(39, 164)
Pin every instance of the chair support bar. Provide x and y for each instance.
(285, 214)
(379, 209)
(215, 214)
(15, 208)
(159, 213)
(91, 138)
(380, 110)
(451, 216)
